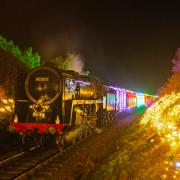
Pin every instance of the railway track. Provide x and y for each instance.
(14, 167)
(12, 153)
(5, 158)
(26, 164)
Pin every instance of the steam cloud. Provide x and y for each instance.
(76, 64)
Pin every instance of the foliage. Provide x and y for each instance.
(173, 83)
(29, 58)
(176, 62)
(6, 109)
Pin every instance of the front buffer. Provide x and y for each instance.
(34, 134)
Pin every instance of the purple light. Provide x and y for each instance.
(83, 83)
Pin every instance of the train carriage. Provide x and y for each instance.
(131, 99)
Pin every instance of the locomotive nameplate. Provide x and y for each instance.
(42, 79)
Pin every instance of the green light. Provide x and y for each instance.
(140, 100)
(30, 59)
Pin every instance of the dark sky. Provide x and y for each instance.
(126, 43)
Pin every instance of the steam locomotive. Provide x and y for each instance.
(66, 106)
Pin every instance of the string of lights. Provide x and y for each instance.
(164, 117)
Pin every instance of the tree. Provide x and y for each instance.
(30, 59)
(173, 83)
(176, 62)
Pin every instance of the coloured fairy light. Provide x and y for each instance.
(163, 116)
(177, 165)
(5, 101)
(6, 105)
(2, 110)
(39, 111)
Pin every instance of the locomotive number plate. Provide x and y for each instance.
(42, 79)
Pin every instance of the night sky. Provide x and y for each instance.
(126, 43)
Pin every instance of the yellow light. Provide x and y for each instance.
(8, 108)
(2, 110)
(11, 101)
(4, 101)
(163, 116)
(173, 143)
(164, 176)
(16, 119)
(171, 163)
(170, 126)
(57, 120)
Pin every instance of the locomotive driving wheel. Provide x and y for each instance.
(80, 136)
(42, 141)
(60, 142)
(26, 141)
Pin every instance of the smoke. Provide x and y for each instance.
(76, 63)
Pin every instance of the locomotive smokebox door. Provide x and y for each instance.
(43, 85)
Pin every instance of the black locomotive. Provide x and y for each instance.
(61, 103)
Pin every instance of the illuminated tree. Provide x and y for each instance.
(30, 59)
(13, 63)
(5, 44)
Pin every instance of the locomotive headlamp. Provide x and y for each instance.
(52, 130)
(16, 119)
(57, 121)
